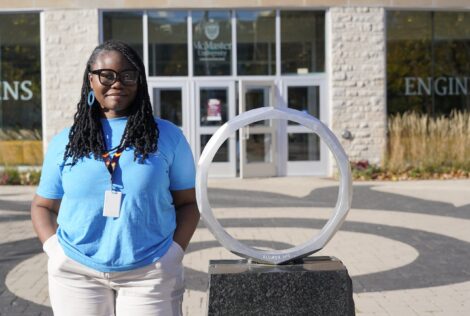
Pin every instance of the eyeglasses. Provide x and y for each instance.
(108, 77)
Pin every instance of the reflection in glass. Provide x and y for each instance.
(168, 104)
(304, 99)
(409, 64)
(451, 61)
(256, 39)
(213, 106)
(302, 42)
(168, 43)
(304, 147)
(212, 43)
(222, 153)
(258, 148)
(20, 90)
(428, 65)
(257, 98)
(126, 27)
(20, 77)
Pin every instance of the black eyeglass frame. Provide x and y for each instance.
(117, 76)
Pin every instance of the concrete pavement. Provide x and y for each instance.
(405, 244)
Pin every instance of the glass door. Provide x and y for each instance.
(258, 141)
(170, 102)
(215, 105)
(306, 154)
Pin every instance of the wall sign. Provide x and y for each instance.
(441, 86)
(16, 90)
(209, 49)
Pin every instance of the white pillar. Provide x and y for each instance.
(358, 80)
(68, 38)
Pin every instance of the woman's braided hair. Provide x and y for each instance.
(141, 132)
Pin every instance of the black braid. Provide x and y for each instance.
(86, 137)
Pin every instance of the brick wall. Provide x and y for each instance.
(358, 79)
(69, 38)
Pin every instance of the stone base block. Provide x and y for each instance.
(310, 286)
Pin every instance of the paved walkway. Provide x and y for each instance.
(405, 244)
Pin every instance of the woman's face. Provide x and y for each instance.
(114, 99)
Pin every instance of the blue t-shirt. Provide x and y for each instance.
(144, 230)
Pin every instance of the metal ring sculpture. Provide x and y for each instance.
(343, 202)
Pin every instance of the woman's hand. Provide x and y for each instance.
(43, 215)
(187, 216)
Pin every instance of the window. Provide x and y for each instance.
(427, 61)
(303, 146)
(126, 27)
(302, 42)
(20, 89)
(168, 43)
(212, 43)
(256, 42)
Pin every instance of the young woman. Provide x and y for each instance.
(122, 186)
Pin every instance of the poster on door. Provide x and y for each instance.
(214, 110)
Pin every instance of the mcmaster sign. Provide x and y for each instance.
(211, 51)
(442, 86)
(16, 90)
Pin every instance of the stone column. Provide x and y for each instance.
(68, 37)
(358, 80)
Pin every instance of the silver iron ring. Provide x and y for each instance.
(343, 203)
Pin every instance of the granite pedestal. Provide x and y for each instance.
(310, 286)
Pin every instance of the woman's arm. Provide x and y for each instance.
(187, 216)
(43, 215)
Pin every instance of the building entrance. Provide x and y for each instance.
(262, 149)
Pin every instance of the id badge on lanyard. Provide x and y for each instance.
(112, 199)
(112, 203)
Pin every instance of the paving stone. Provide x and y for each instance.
(409, 254)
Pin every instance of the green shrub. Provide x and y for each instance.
(12, 176)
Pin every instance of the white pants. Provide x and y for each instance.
(75, 289)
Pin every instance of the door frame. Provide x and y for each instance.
(301, 168)
(258, 169)
(187, 115)
(217, 169)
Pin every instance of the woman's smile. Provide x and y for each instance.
(114, 99)
(115, 95)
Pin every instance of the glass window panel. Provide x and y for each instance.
(304, 99)
(304, 147)
(302, 42)
(20, 90)
(427, 61)
(126, 27)
(168, 104)
(451, 62)
(256, 42)
(212, 43)
(222, 153)
(20, 77)
(168, 43)
(213, 106)
(257, 98)
(409, 61)
(258, 148)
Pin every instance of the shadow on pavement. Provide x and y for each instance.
(442, 260)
